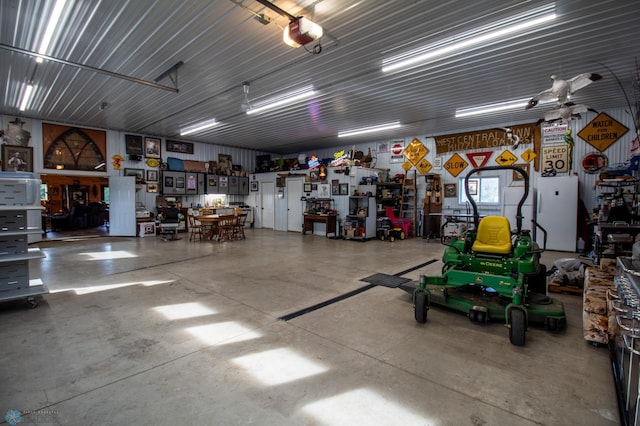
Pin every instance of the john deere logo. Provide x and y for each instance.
(491, 264)
(478, 279)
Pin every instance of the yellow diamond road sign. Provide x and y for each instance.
(602, 131)
(455, 165)
(506, 158)
(406, 166)
(415, 151)
(528, 155)
(423, 166)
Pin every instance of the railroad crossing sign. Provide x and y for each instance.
(506, 158)
(455, 165)
(528, 155)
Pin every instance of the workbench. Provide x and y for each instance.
(328, 219)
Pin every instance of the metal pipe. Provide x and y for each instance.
(277, 9)
(89, 68)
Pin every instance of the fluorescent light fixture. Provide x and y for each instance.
(301, 31)
(371, 129)
(198, 127)
(26, 97)
(285, 99)
(474, 38)
(498, 106)
(51, 26)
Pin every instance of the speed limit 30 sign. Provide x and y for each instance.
(555, 158)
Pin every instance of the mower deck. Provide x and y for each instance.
(468, 298)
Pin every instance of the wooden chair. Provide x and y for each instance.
(195, 228)
(226, 226)
(238, 229)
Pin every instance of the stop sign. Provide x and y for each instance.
(397, 148)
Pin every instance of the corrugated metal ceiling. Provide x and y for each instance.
(222, 46)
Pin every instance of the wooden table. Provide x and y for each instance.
(328, 219)
(210, 224)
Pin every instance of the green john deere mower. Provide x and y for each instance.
(492, 273)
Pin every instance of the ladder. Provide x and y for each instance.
(408, 202)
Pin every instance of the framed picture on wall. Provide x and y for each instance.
(344, 189)
(307, 187)
(133, 144)
(152, 175)
(324, 190)
(516, 175)
(473, 187)
(152, 187)
(152, 147)
(181, 147)
(138, 173)
(17, 158)
(450, 190)
(254, 186)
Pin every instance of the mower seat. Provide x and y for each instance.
(493, 236)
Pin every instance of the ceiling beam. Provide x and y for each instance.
(90, 68)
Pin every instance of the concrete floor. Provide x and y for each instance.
(141, 331)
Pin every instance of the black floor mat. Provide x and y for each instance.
(385, 280)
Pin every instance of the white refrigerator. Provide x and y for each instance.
(511, 196)
(557, 211)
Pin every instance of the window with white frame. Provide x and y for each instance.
(483, 190)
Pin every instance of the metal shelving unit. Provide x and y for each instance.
(360, 223)
(19, 194)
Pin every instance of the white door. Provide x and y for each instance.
(267, 205)
(294, 205)
(122, 206)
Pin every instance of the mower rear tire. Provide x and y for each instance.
(420, 307)
(517, 327)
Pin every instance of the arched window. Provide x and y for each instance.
(74, 150)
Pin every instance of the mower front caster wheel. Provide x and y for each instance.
(517, 327)
(421, 307)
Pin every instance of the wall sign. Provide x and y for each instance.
(397, 147)
(554, 134)
(490, 138)
(528, 155)
(555, 159)
(602, 132)
(594, 162)
(423, 166)
(479, 159)
(415, 151)
(506, 158)
(455, 165)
